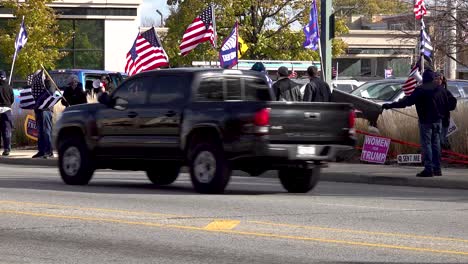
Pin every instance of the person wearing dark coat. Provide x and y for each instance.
(74, 93)
(316, 90)
(441, 82)
(285, 89)
(431, 104)
(6, 101)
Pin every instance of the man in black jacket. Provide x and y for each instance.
(441, 82)
(431, 104)
(74, 93)
(285, 89)
(6, 100)
(316, 90)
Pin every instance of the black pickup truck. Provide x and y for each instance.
(212, 120)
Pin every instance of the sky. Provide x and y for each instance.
(149, 7)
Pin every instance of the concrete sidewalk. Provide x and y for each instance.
(454, 178)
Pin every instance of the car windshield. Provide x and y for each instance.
(378, 91)
(61, 78)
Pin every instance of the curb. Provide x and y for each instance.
(348, 177)
(29, 162)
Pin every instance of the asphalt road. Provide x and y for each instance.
(121, 218)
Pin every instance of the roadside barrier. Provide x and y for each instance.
(460, 158)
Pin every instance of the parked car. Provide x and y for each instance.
(212, 120)
(86, 77)
(389, 90)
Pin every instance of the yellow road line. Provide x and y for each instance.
(321, 240)
(222, 225)
(359, 231)
(91, 209)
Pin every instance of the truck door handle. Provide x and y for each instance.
(171, 113)
(132, 114)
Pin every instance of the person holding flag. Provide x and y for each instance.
(20, 41)
(6, 100)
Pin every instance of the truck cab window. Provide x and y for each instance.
(134, 91)
(256, 90)
(233, 89)
(168, 89)
(211, 89)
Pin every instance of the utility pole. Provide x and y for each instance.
(451, 64)
(325, 38)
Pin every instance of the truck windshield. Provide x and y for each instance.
(61, 78)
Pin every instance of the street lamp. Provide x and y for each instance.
(162, 21)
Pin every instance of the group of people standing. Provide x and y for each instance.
(73, 94)
(286, 89)
(433, 104)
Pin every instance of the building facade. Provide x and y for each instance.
(103, 31)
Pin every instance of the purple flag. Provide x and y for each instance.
(311, 31)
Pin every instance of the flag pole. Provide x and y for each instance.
(213, 17)
(16, 53)
(420, 45)
(55, 85)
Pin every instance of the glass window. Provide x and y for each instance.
(454, 90)
(211, 89)
(233, 89)
(169, 89)
(379, 91)
(465, 90)
(256, 90)
(134, 91)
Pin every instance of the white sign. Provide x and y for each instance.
(452, 127)
(409, 158)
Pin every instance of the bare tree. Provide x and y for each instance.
(150, 22)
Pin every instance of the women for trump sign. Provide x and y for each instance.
(375, 149)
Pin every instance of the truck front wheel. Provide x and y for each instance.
(209, 170)
(299, 180)
(75, 163)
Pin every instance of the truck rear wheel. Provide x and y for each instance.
(209, 169)
(163, 175)
(299, 180)
(75, 163)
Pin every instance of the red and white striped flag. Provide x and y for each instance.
(202, 29)
(412, 81)
(419, 8)
(293, 75)
(146, 54)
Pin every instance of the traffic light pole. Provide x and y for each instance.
(326, 39)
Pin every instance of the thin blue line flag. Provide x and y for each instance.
(22, 37)
(311, 30)
(228, 55)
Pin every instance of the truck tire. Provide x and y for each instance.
(75, 163)
(163, 175)
(299, 180)
(209, 170)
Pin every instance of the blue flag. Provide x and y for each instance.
(228, 55)
(311, 31)
(22, 37)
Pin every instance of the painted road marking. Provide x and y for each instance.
(243, 233)
(222, 225)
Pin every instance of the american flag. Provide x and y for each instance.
(146, 54)
(38, 96)
(412, 81)
(419, 8)
(201, 30)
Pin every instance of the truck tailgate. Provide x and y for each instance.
(309, 123)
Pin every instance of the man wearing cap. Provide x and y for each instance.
(6, 100)
(316, 90)
(431, 103)
(74, 93)
(285, 89)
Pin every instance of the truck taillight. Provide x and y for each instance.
(262, 117)
(352, 119)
